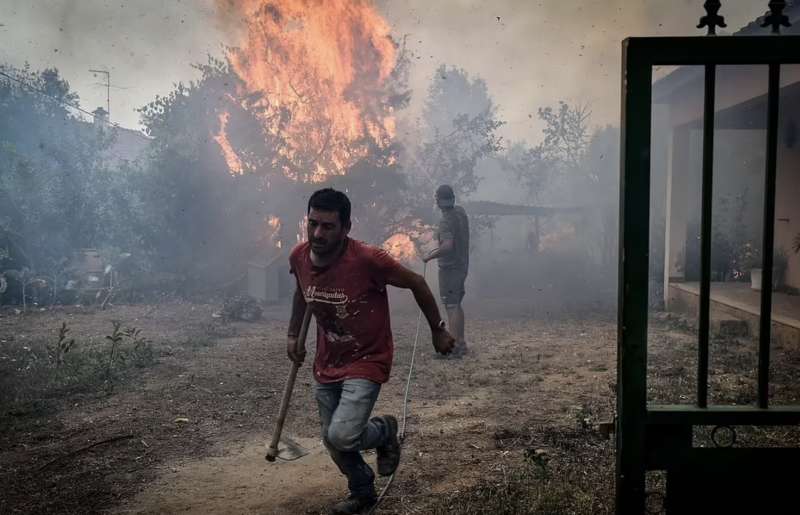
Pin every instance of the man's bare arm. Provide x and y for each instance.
(299, 307)
(445, 247)
(402, 277)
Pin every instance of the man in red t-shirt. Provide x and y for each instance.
(344, 283)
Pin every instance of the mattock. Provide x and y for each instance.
(290, 450)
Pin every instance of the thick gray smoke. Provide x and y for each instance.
(535, 53)
(147, 45)
(508, 59)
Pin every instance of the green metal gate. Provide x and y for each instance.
(659, 437)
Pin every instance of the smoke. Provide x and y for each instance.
(530, 53)
(536, 53)
(525, 54)
(147, 45)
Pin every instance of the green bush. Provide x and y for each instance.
(35, 376)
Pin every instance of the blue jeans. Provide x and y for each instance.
(344, 411)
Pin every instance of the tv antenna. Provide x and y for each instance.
(107, 84)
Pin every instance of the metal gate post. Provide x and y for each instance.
(633, 277)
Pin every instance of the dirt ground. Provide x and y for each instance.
(188, 432)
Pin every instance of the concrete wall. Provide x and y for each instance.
(740, 144)
(787, 197)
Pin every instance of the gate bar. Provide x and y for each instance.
(705, 234)
(767, 247)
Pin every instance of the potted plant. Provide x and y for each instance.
(748, 262)
(779, 263)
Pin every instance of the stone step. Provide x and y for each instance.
(729, 327)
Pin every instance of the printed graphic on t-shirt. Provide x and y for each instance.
(326, 295)
(335, 296)
(350, 305)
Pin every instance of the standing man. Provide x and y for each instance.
(344, 283)
(453, 256)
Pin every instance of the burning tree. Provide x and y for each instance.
(323, 76)
(306, 99)
(574, 165)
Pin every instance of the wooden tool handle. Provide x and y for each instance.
(272, 450)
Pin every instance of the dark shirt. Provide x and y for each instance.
(454, 225)
(351, 306)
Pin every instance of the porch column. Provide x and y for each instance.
(677, 209)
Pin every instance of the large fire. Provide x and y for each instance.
(401, 247)
(274, 225)
(318, 72)
(317, 75)
(233, 161)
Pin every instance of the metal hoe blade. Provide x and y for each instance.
(287, 450)
(290, 450)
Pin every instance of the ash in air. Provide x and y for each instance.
(210, 198)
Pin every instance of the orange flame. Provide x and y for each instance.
(318, 71)
(233, 161)
(301, 229)
(401, 247)
(563, 232)
(274, 224)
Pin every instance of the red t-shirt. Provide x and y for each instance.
(351, 306)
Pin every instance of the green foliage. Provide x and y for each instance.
(61, 347)
(58, 190)
(575, 165)
(204, 222)
(32, 379)
(137, 350)
(566, 134)
(460, 125)
(188, 222)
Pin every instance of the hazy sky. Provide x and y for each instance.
(531, 53)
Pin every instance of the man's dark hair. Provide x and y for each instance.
(445, 191)
(329, 199)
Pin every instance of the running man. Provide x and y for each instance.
(344, 282)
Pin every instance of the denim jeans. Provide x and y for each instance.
(344, 413)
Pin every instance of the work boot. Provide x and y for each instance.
(389, 454)
(353, 504)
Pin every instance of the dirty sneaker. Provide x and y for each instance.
(352, 505)
(389, 454)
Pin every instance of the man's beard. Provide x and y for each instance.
(324, 248)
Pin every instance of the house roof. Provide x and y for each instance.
(484, 207)
(683, 75)
(754, 28)
(126, 145)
